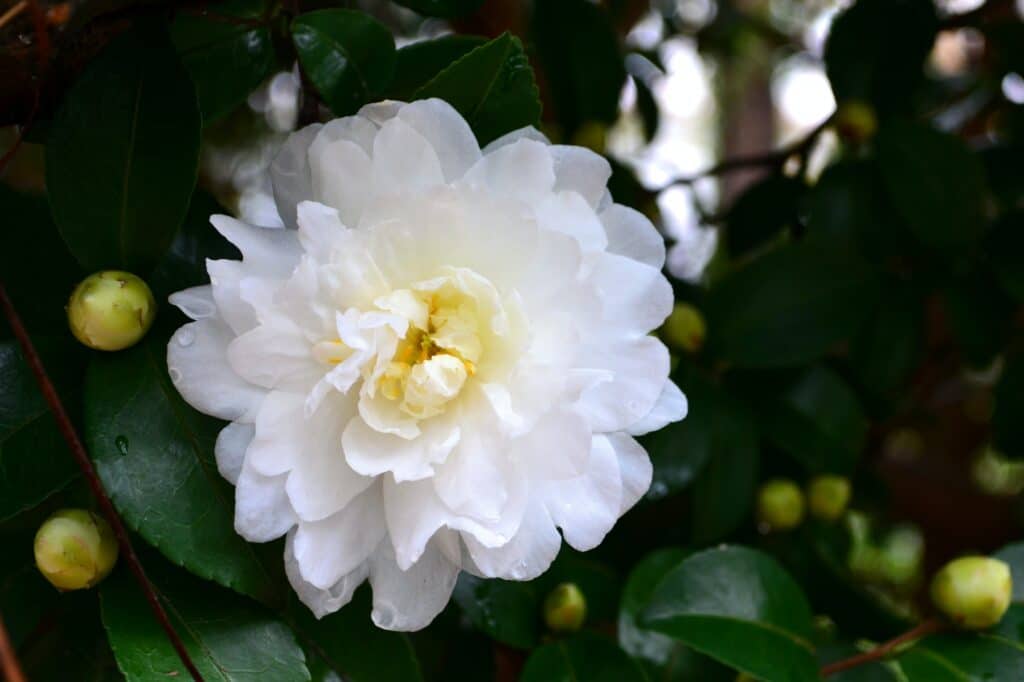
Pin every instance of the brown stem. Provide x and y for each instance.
(923, 629)
(67, 429)
(8, 660)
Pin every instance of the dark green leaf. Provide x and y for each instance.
(69, 643)
(227, 637)
(121, 158)
(935, 182)
(154, 454)
(740, 607)
(1013, 554)
(789, 307)
(876, 51)
(347, 643)
(491, 86)
(980, 315)
(509, 612)
(870, 672)
(228, 56)
(1005, 247)
(25, 596)
(419, 63)
(584, 656)
(964, 658)
(762, 212)
(347, 55)
(1008, 415)
(890, 344)
(441, 8)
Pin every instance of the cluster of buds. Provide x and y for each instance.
(781, 504)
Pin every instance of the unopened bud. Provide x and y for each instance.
(780, 506)
(856, 121)
(75, 549)
(903, 552)
(111, 310)
(973, 591)
(685, 328)
(827, 497)
(565, 608)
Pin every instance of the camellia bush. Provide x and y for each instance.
(339, 345)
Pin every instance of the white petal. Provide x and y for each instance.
(262, 510)
(586, 507)
(473, 479)
(290, 173)
(526, 555)
(558, 446)
(373, 453)
(196, 302)
(580, 170)
(631, 234)
(404, 160)
(225, 281)
(266, 251)
(320, 228)
(568, 213)
(522, 170)
(409, 600)
(355, 129)
(198, 366)
(635, 469)
(671, 407)
(380, 113)
(275, 355)
(229, 449)
(637, 370)
(321, 602)
(447, 132)
(526, 132)
(328, 550)
(342, 175)
(637, 298)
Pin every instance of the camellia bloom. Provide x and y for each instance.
(440, 367)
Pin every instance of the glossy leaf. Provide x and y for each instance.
(740, 607)
(762, 212)
(980, 315)
(154, 455)
(25, 596)
(890, 344)
(1013, 554)
(441, 8)
(348, 56)
(789, 307)
(122, 155)
(227, 55)
(507, 611)
(963, 657)
(492, 87)
(417, 64)
(227, 637)
(584, 656)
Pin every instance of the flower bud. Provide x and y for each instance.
(111, 310)
(565, 608)
(684, 329)
(856, 121)
(902, 554)
(780, 506)
(75, 549)
(973, 591)
(827, 497)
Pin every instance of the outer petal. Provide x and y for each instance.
(636, 369)
(342, 174)
(636, 297)
(447, 132)
(262, 510)
(290, 173)
(275, 355)
(580, 170)
(321, 602)
(404, 160)
(557, 447)
(671, 407)
(230, 447)
(409, 600)
(196, 302)
(526, 132)
(568, 213)
(635, 469)
(586, 507)
(198, 365)
(631, 234)
(266, 251)
(522, 170)
(526, 555)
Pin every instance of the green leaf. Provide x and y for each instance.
(585, 656)
(583, 65)
(417, 64)
(122, 155)
(980, 315)
(441, 8)
(507, 611)
(936, 184)
(227, 637)
(347, 643)
(154, 454)
(740, 607)
(789, 307)
(347, 55)
(1005, 248)
(25, 596)
(982, 657)
(876, 51)
(1013, 554)
(1008, 413)
(491, 86)
(69, 642)
(890, 344)
(227, 55)
(762, 212)
(870, 672)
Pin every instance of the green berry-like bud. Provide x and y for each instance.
(111, 310)
(827, 497)
(685, 328)
(974, 591)
(856, 121)
(565, 608)
(903, 552)
(780, 506)
(75, 549)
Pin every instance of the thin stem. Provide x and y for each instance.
(67, 429)
(14, 11)
(923, 629)
(8, 660)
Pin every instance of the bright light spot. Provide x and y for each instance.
(817, 30)
(685, 88)
(696, 12)
(959, 6)
(802, 94)
(694, 245)
(1013, 87)
(648, 32)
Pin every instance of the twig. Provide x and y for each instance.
(923, 629)
(8, 660)
(67, 429)
(14, 11)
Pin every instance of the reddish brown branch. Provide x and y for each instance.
(67, 429)
(924, 629)
(8, 660)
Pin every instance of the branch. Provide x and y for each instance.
(923, 629)
(8, 660)
(67, 429)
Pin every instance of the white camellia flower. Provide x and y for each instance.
(441, 366)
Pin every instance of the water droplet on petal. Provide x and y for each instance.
(186, 337)
(122, 445)
(175, 374)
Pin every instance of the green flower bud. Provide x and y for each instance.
(903, 552)
(75, 549)
(827, 497)
(973, 591)
(111, 310)
(685, 328)
(856, 121)
(780, 506)
(565, 608)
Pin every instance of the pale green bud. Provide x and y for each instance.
(75, 549)
(111, 310)
(903, 553)
(685, 328)
(827, 497)
(974, 591)
(565, 608)
(780, 506)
